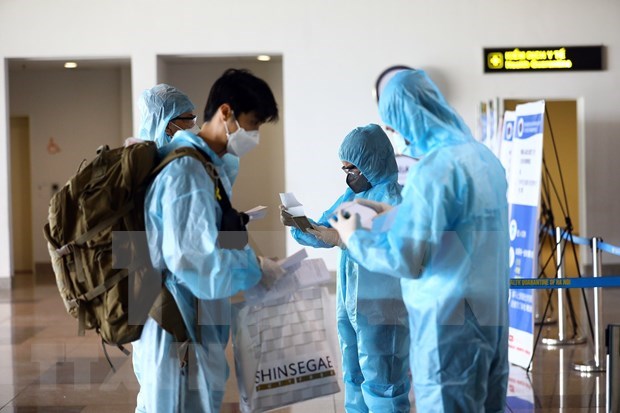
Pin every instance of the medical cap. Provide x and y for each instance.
(369, 148)
(158, 106)
(413, 106)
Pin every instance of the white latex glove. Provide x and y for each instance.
(327, 235)
(285, 217)
(345, 226)
(271, 270)
(378, 207)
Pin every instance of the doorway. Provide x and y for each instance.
(66, 115)
(21, 196)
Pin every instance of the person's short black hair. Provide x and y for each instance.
(245, 93)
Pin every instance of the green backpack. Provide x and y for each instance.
(97, 242)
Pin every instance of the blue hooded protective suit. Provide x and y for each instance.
(372, 319)
(182, 221)
(158, 106)
(449, 244)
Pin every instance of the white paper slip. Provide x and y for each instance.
(299, 273)
(366, 214)
(260, 294)
(292, 205)
(293, 260)
(258, 212)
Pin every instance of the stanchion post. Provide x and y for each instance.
(544, 307)
(613, 368)
(561, 340)
(596, 364)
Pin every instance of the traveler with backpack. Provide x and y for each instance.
(185, 213)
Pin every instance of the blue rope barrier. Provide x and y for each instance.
(553, 283)
(576, 240)
(609, 248)
(612, 249)
(550, 231)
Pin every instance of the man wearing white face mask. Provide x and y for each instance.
(183, 221)
(241, 141)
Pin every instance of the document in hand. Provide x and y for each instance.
(366, 214)
(296, 210)
(258, 212)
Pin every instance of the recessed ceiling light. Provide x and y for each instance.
(263, 58)
(70, 65)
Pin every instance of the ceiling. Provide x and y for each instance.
(107, 63)
(83, 63)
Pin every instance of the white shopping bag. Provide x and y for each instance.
(282, 352)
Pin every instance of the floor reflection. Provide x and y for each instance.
(553, 384)
(45, 366)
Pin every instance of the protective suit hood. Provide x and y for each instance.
(412, 105)
(158, 106)
(369, 148)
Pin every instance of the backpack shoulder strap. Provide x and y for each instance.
(188, 151)
(205, 159)
(220, 192)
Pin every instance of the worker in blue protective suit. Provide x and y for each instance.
(165, 110)
(449, 245)
(182, 222)
(371, 317)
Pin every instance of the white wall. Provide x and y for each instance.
(332, 53)
(81, 110)
(6, 251)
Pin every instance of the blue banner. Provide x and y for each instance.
(530, 125)
(523, 241)
(551, 283)
(525, 157)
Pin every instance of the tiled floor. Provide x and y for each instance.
(46, 367)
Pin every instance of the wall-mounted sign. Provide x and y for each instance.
(542, 59)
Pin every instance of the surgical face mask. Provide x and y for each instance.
(194, 129)
(358, 183)
(241, 141)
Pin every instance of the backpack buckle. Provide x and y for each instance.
(65, 250)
